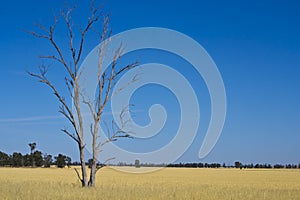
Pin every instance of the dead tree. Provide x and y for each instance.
(106, 82)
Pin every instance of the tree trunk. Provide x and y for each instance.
(93, 173)
(84, 179)
(95, 153)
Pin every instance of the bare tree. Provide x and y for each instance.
(106, 82)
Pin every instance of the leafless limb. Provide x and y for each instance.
(78, 175)
(104, 163)
(64, 108)
(118, 132)
(71, 135)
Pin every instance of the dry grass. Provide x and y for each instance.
(167, 183)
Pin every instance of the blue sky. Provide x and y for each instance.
(255, 45)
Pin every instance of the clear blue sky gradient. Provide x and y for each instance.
(255, 44)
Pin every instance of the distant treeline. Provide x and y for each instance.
(34, 159)
(38, 159)
(237, 164)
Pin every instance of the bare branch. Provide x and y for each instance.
(133, 80)
(127, 68)
(67, 17)
(51, 57)
(103, 164)
(68, 113)
(62, 59)
(78, 175)
(90, 104)
(94, 17)
(63, 112)
(37, 35)
(71, 135)
(118, 132)
(49, 35)
(70, 86)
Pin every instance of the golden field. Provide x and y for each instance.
(168, 183)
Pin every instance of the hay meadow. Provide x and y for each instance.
(167, 183)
